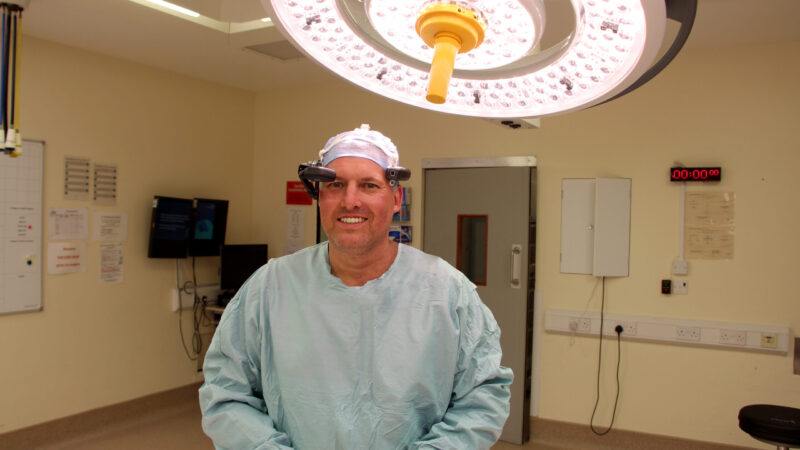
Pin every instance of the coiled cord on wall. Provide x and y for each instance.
(618, 330)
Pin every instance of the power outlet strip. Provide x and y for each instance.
(762, 338)
(209, 291)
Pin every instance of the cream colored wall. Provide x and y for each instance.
(735, 107)
(96, 344)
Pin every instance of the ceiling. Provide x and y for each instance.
(130, 31)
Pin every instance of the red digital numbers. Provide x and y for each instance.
(695, 174)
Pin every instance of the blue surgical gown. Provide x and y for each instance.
(408, 360)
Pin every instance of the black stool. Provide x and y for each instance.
(776, 425)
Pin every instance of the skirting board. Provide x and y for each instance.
(547, 433)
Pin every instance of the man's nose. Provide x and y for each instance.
(351, 198)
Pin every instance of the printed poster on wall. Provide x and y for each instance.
(709, 225)
(295, 229)
(296, 194)
(111, 262)
(110, 227)
(66, 257)
(65, 223)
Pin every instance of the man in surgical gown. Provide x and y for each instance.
(358, 342)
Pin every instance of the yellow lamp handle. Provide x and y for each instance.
(444, 58)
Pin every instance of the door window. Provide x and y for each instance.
(472, 244)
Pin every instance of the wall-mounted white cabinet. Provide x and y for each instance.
(595, 226)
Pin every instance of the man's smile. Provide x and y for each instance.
(352, 219)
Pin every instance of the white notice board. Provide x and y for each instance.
(21, 197)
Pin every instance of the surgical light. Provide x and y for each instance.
(497, 66)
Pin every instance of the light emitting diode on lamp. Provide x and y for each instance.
(449, 29)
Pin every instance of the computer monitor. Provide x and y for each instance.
(169, 227)
(238, 262)
(209, 221)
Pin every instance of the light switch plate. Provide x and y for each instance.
(680, 286)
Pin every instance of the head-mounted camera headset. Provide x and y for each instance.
(312, 173)
(361, 143)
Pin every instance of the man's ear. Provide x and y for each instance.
(398, 198)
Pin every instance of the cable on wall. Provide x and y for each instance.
(180, 312)
(618, 330)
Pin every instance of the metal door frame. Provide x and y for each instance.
(500, 161)
(532, 345)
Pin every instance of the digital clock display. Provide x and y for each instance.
(695, 174)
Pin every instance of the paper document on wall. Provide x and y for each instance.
(709, 225)
(110, 227)
(105, 184)
(295, 229)
(111, 263)
(76, 178)
(65, 224)
(66, 257)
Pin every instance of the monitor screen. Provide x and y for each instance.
(169, 227)
(210, 218)
(238, 262)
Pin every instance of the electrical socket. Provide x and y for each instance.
(580, 324)
(187, 299)
(769, 340)
(629, 328)
(685, 333)
(733, 337)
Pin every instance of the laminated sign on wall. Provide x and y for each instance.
(709, 225)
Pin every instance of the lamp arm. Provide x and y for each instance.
(683, 11)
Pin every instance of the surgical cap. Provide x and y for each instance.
(361, 143)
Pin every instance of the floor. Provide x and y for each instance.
(174, 428)
(171, 421)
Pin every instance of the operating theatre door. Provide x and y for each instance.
(482, 221)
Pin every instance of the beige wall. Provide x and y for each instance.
(97, 344)
(732, 107)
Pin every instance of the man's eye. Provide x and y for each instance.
(371, 186)
(334, 185)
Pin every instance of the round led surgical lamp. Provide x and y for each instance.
(482, 58)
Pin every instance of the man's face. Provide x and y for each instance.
(356, 209)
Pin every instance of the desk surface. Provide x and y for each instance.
(215, 309)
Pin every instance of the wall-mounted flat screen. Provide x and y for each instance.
(170, 224)
(238, 262)
(210, 218)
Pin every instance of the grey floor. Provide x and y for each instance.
(171, 421)
(175, 428)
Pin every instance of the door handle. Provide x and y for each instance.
(516, 263)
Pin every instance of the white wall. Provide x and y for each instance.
(98, 344)
(734, 107)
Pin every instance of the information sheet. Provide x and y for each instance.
(110, 227)
(111, 263)
(295, 229)
(709, 225)
(66, 257)
(65, 224)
